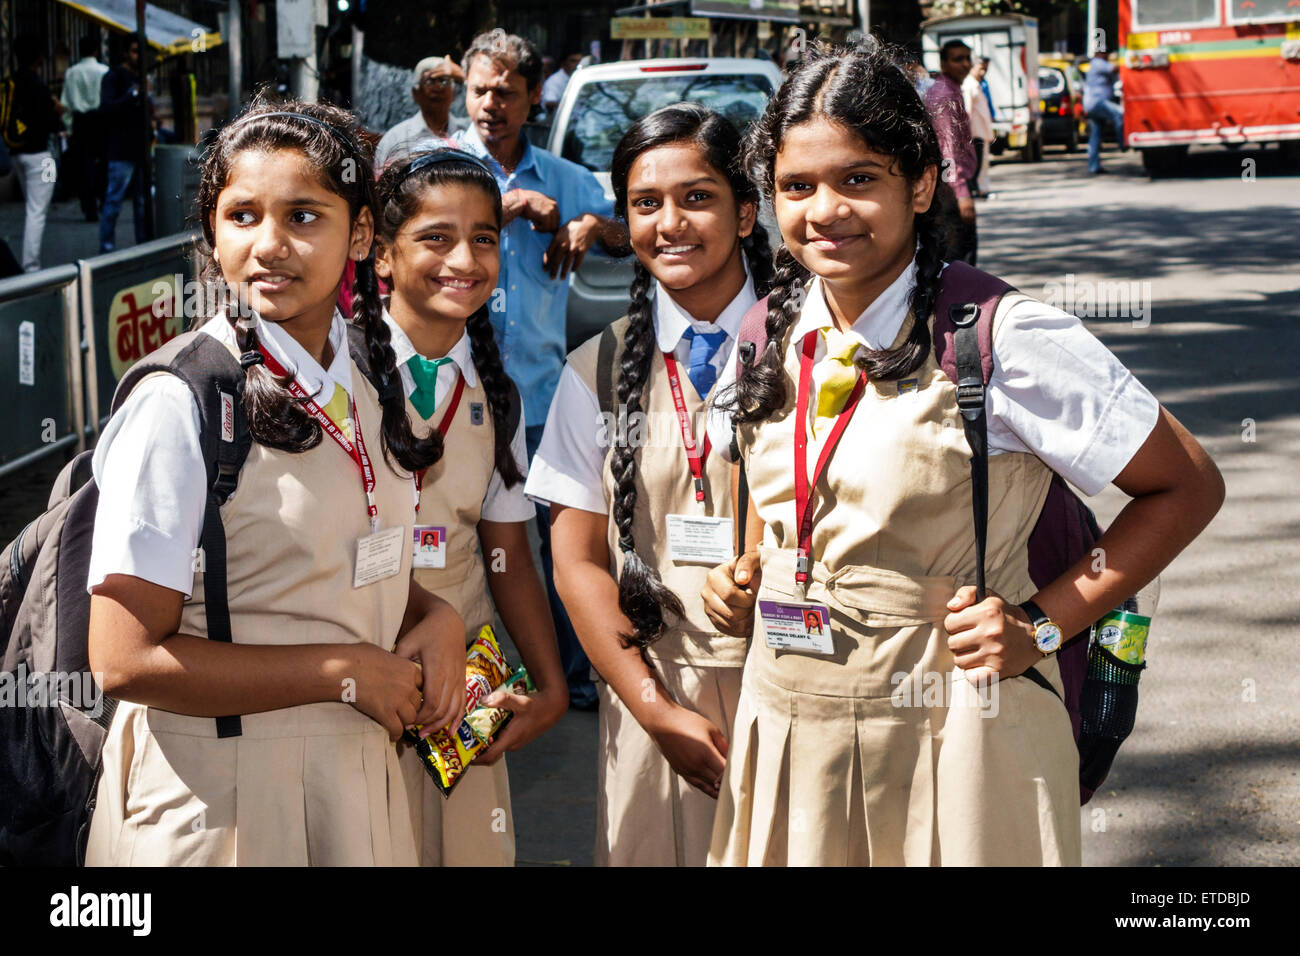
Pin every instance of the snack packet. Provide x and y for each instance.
(446, 755)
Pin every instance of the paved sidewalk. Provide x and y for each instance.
(68, 237)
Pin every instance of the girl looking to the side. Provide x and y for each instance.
(437, 246)
(826, 766)
(626, 516)
(325, 673)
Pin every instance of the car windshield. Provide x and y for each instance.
(603, 111)
(1050, 81)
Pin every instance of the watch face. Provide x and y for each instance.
(1047, 637)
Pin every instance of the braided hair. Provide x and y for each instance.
(401, 191)
(642, 596)
(863, 89)
(330, 140)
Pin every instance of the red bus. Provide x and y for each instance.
(1209, 71)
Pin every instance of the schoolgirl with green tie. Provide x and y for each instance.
(640, 499)
(437, 234)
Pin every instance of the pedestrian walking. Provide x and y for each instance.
(33, 117)
(974, 91)
(861, 497)
(555, 211)
(124, 107)
(437, 248)
(1098, 88)
(85, 162)
(333, 643)
(433, 87)
(630, 514)
(952, 126)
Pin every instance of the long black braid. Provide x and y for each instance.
(498, 386)
(863, 89)
(642, 596)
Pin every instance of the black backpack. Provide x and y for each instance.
(50, 751)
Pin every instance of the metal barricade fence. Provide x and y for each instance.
(132, 301)
(41, 389)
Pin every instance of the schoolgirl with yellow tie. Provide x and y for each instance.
(640, 500)
(272, 744)
(913, 724)
(437, 247)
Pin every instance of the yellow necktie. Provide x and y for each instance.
(338, 408)
(835, 375)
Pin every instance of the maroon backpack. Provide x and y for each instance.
(1102, 706)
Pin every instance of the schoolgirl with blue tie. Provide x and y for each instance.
(640, 500)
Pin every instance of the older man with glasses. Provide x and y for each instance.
(433, 87)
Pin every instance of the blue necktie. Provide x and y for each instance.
(704, 345)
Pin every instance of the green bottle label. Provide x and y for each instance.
(1124, 634)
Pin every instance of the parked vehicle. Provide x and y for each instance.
(1010, 41)
(1200, 71)
(599, 104)
(1060, 100)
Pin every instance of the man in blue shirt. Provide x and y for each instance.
(555, 211)
(1098, 87)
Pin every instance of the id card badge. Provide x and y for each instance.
(379, 556)
(699, 539)
(790, 625)
(430, 547)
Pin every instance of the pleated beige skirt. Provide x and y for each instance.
(315, 785)
(647, 815)
(882, 754)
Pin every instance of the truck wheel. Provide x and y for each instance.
(1162, 160)
(1072, 144)
(1036, 145)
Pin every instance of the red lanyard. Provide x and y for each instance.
(444, 426)
(803, 504)
(357, 451)
(695, 457)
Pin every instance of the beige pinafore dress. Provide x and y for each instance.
(474, 826)
(646, 815)
(316, 784)
(882, 753)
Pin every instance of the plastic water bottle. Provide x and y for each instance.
(1123, 632)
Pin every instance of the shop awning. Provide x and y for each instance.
(168, 33)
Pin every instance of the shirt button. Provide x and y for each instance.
(512, 289)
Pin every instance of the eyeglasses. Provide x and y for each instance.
(437, 82)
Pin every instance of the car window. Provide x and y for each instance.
(603, 111)
(1050, 81)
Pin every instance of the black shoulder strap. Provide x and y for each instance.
(215, 378)
(970, 401)
(605, 369)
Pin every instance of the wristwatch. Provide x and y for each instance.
(1047, 635)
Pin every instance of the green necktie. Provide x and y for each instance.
(424, 373)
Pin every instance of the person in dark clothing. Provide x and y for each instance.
(123, 104)
(84, 160)
(34, 118)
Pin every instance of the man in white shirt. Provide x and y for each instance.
(433, 87)
(85, 159)
(981, 123)
(554, 86)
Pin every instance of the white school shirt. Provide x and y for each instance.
(567, 467)
(1055, 392)
(499, 502)
(150, 469)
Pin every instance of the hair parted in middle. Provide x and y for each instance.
(864, 89)
(330, 140)
(642, 596)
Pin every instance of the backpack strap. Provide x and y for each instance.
(606, 357)
(360, 354)
(215, 378)
(751, 340)
(963, 344)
